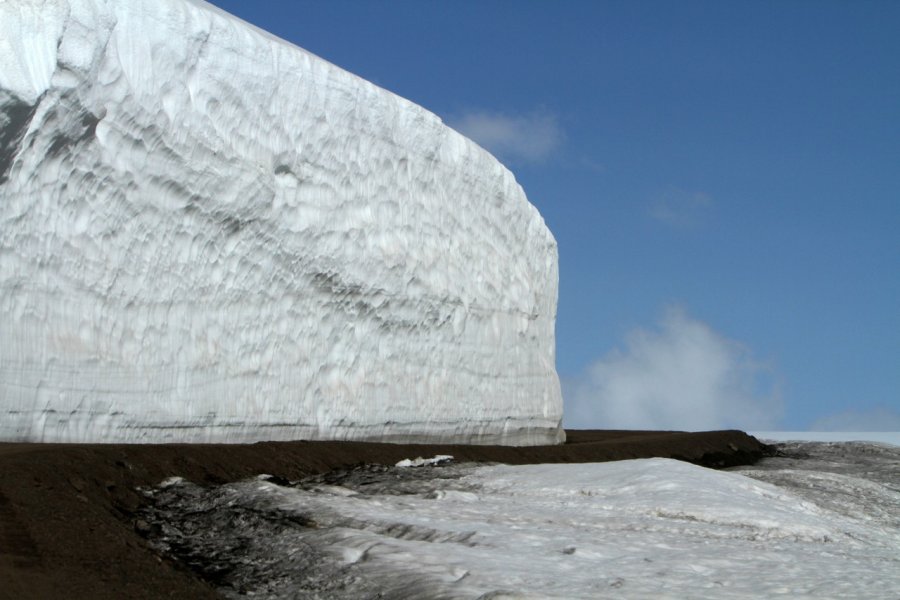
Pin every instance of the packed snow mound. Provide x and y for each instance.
(647, 529)
(209, 234)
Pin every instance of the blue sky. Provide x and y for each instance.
(723, 180)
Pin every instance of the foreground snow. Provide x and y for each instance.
(653, 528)
(212, 235)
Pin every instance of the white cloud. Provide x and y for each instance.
(530, 138)
(681, 376)
(874, 419)
(680, 208)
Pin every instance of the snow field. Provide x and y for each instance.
(654, 528)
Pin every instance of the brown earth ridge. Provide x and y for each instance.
(69, 513)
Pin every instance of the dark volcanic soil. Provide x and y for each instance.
(68, 524)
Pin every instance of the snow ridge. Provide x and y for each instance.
(212, 235)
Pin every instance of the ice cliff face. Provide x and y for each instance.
(207, 234)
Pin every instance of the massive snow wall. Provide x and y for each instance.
(210, 235)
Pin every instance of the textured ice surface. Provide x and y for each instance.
(208, 234)
(653, 528)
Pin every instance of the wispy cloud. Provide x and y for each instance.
(679, 208)
(593, 165)
(874, 419)
(530, 138)
(682, 375)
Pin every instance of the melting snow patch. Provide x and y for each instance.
(170, 481)
(653, 528)
(440, 459)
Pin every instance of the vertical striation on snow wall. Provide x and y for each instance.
(210, 235)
